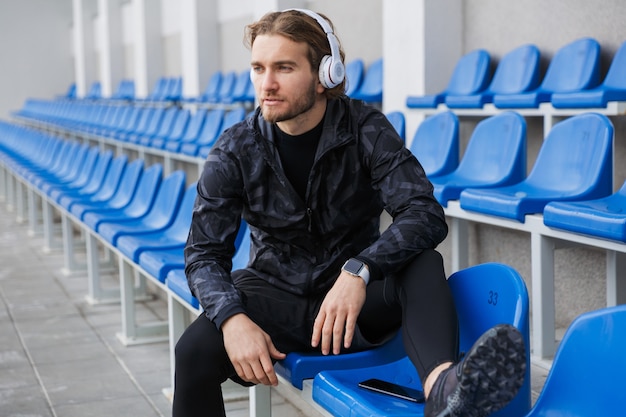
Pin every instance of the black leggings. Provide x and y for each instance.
(417, 299)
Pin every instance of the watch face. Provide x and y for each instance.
(353, 266)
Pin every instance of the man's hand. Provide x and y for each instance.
(336, 320)
(250, 350)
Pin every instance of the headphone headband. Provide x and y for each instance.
(331, 71)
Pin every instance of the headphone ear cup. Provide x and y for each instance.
(324, 71)
(331, 73)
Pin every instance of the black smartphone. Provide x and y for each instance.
(392, 389)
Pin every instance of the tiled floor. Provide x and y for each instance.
(60, 357)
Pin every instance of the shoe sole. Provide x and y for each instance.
(491, 375)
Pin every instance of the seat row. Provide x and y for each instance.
(172, 129)
(141, 217)
(231, 87)
(572, 80)
(567, 197)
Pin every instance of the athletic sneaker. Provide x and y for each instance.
(488, 377)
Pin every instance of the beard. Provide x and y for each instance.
(300, 105)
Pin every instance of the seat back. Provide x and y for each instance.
(354, 76)
(211, 128)
(226, 87)
(436, 143)
(398, 121)
(576, 158)
(586, 377)
(99, 172)
(242, 245)
(496, 151)
(517, 71)
(156, 120)
(486, 295)
(87, 167)
(179, 229)
(112, 179)
(371, 89)
(233, 116)
(212, 89)
(174, 89)
(167, 122)
(167, 200)
(127, 184)
(574, 67)
(179, 124)
(146, 191)
(159, 89)
(471, 73)
(616, 76)
(240, 89)
(194, 126)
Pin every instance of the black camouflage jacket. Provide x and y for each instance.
(361, 167)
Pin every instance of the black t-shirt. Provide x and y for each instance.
(297, 154)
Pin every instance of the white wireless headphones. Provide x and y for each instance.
(331, 70)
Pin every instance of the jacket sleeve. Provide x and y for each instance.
(418, 218)
(211, 241)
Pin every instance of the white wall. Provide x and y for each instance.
(36, 55)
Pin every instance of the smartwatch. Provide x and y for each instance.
(357, 268)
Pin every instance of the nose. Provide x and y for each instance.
(267, 81)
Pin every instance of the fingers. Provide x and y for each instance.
(333, 330)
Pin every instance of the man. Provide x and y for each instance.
(310, 172)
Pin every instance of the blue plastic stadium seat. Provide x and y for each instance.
(122, 197)
(211, 129)
(495, 156)
(517, 72)
(586, 377)
(95, 91)
(160, 216)
(105, 191)
(230, 118)
(575, 162)
(354, 76)
(211, 91)
(159, 262)
(176, 280)
(160, 129)
(602, 217)
(191, 132)
(175, 89)
(471, 75)
(574, 67)
(139, 205)
(176, 131)
(613, 88)
(173, 236)
(371, 88)
(485, 295)
(225, 92)
(147, 124)
(240, 89)
(90, 179)
(398, 121)
(436, 144)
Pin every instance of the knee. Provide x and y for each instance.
(198, 348)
